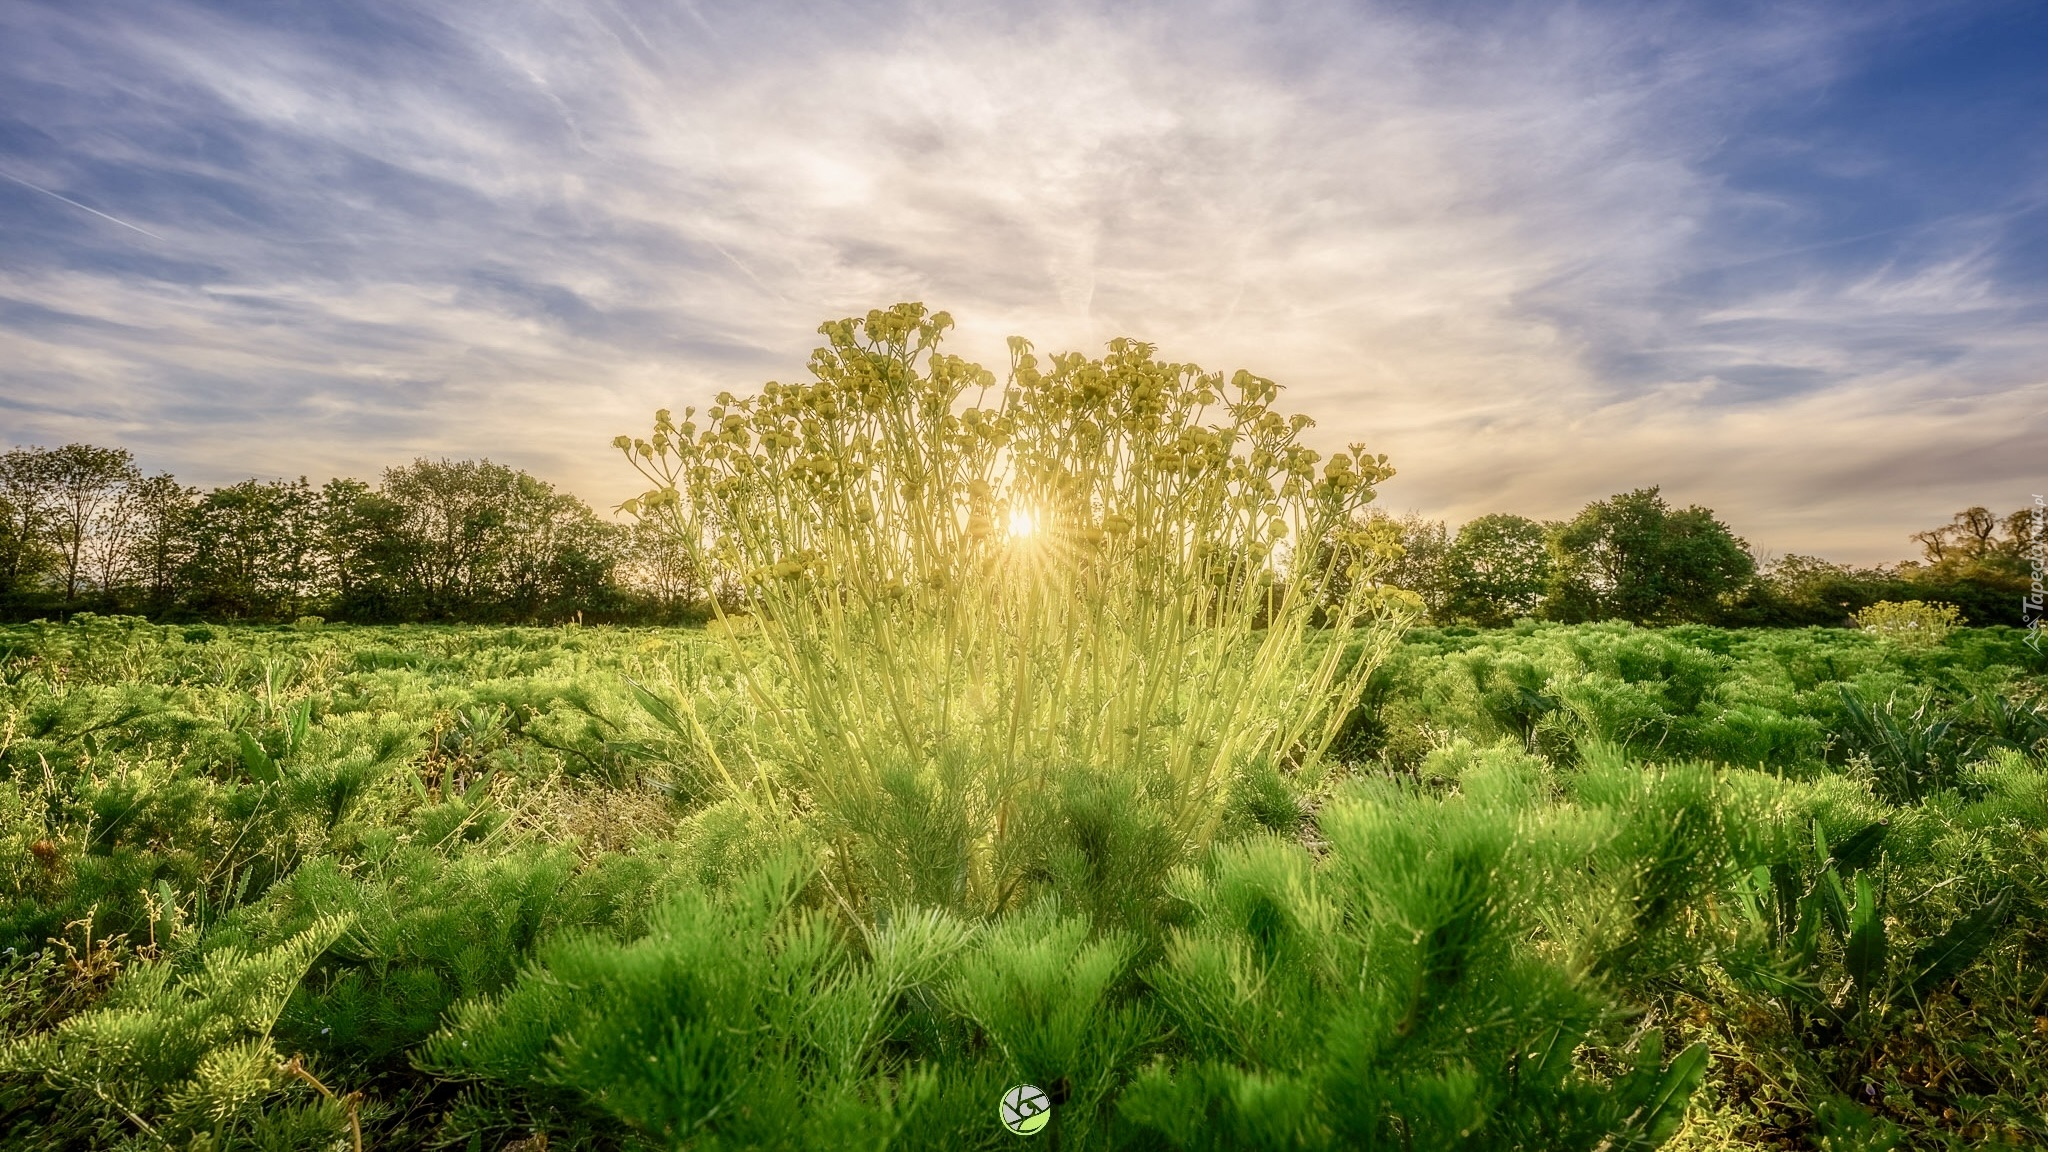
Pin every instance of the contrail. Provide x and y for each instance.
(765, 286)
(76, 204)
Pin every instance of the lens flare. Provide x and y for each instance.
(1021, 524)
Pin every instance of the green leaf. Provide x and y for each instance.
(255, 761)
(1848, 1126)
(1862, 846)
(297, 720)
(1944, 958)
(1864, 955)
(661, 710)
(1661, 1110)
(1806, 937)
(1785, 882)
(1548, 1063)
(1834, 901)
(1749, 892)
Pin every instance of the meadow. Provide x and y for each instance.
(1065, 733)
(1554, 886)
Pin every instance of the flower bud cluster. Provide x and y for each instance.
(901, 465)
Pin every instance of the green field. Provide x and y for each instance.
(1555, 885)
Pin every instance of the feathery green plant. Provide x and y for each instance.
(183, 1059)
(1912, 754)
(972, 597)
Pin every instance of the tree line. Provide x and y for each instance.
(1635, 557)
(83, 529)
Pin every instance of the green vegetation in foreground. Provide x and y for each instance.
(1038, 754)
(462, 886)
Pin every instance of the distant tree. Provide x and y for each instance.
(84, 484)
(2026, 531)
(1425, 544)
(1795, 591)
(1633, 557)
(474, 539)
(1978, 562)
(1496, 570)
(1419, 568)
(109, 553)
(159, 541)
(26, 555)
(1971, 535)
(1975, 537)
(556, 555)
(252, 550)
(365, 551)
(656, 566)
(452, 517)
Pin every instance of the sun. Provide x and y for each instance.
(1021, 524)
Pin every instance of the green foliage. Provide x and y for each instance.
(1633, 557)
(1388, 997)
(1815, 939)
(1518, 920)
(1498, 569)
(250, 550)
(935, 674)
(737, 1020)
(80, 527)
(1914, 623)
(180, 1056)
(1911, 754)
(1144, 800)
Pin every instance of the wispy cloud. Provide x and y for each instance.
(1537, 254)
(81, 207)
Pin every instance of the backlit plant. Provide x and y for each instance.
(1912, 624)
(978, 591)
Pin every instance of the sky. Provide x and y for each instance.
(1788, 261)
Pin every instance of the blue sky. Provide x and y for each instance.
(1789, 261)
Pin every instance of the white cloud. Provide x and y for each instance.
(516, 229)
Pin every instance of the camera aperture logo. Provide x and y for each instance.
(1026, 1109)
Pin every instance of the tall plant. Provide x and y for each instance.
(979, 592)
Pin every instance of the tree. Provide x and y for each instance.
(1978, 562)
(108, 552)
(252, 549)
(1425, 544)
(1418, 568)
(1633, 557)
(84, 485)
(1971, 534)
(364, 550)
(471, 538)
(1827, 593)
(1496, 570)
(553, 553)
(159, 540)
(658, 565)
(451, 516)
(26, 556)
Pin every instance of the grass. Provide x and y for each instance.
(1552, 887)
(1144, 801)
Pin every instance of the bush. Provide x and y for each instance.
(968, 601)
(1912, 624)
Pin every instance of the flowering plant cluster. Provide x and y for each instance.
(1913, 623)
(1097, 565)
